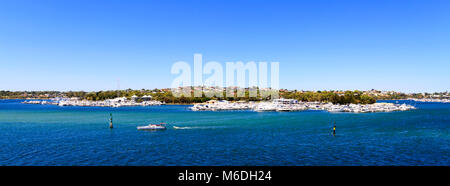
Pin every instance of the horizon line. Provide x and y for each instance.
(3, 90)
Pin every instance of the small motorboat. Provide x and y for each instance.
(160, 126)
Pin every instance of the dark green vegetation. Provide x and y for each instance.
(341, 97)
(331, 96)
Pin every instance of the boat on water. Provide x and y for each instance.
(265, 107)
(284, 108)
(161, 126)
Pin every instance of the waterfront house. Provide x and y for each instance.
(146, 98)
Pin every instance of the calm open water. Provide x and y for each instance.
(52, 135)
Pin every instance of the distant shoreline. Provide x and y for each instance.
(169, 103)
(184, 104)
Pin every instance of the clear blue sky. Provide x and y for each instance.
(401, 45)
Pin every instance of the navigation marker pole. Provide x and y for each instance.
(110, 121)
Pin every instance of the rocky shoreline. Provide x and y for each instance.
(288, 105)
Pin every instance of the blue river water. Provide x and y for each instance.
(52, 135)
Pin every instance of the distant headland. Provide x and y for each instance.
(165, 95)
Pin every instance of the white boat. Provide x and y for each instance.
(160, 126)
(283, 108)
(336, 108)
(265, 108)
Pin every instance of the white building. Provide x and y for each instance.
(146, 98)
(283, 101)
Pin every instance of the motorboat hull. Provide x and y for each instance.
(152, 128)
